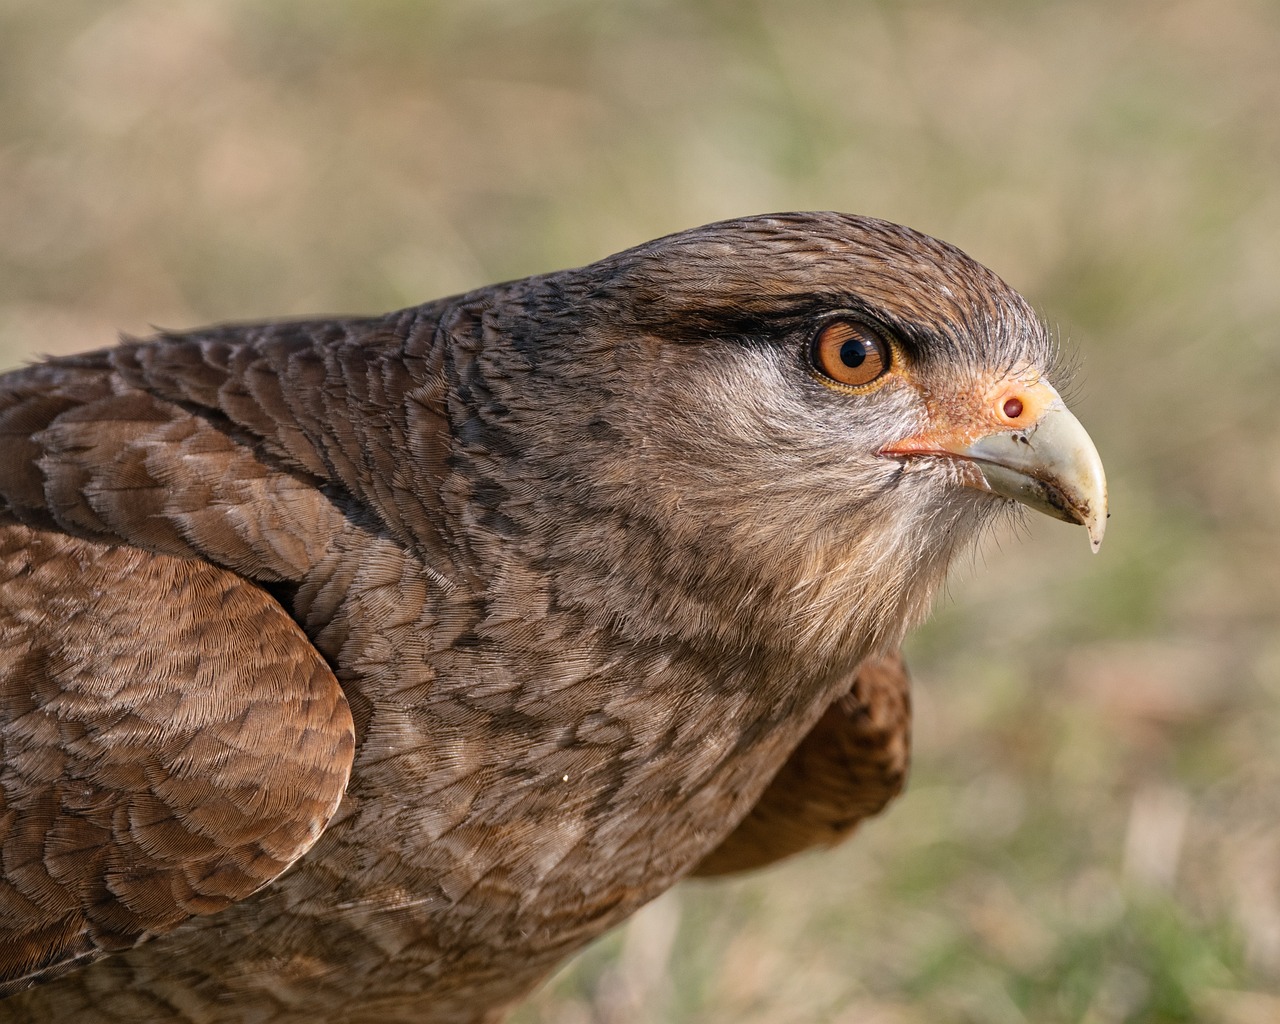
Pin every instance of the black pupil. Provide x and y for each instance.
(853, 353)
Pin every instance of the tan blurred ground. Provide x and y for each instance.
(1093, 829)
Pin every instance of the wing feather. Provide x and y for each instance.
(170, 742)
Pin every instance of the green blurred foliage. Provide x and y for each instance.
(1092, 832)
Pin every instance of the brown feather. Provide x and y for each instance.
(586, 556)
(848, 768)
(155, 766)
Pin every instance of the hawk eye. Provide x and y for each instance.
(850, 353)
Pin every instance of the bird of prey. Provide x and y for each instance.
(363, 669)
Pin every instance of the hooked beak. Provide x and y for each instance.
(1024, 445)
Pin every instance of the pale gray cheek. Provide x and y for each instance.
(777, 399)
(768, 429)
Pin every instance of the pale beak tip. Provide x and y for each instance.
(1096, 529)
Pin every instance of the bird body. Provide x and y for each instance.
(365, 669)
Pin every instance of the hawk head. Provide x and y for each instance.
(785, 427)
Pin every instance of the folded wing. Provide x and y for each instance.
(170, 741)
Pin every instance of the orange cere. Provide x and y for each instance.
(1014, 401)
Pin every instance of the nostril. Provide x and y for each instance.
(1013, 408)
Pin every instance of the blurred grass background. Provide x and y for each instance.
(1092, 829)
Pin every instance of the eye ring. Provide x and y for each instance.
(850, 353)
